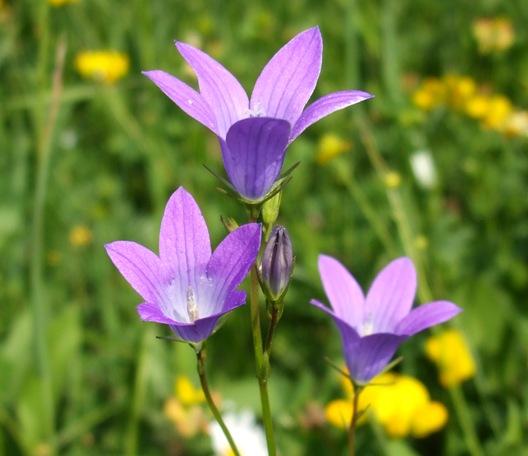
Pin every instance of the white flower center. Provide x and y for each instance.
(368, 325)
(192, 307)
(256, 111)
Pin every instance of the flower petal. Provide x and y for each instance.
(204, 327)
(184, 243)
(427, 315)
(140, 267)
(151, 312)
(391, 295)
(342, 290)
(367, 356)
(197, 332)
(253, 154)
(188, 99)
(229, 266)
(220, 89)
(288, 80)
(325, 106)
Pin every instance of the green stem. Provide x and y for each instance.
(274, 320)
(38, 301)
(353, 423)
(262, 362)
(200, 356)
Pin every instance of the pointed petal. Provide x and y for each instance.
(427, 315)
(184, 244)
(391, 295)
(325, 106)
(220, 89)
(140, 267)
(342, 290)
(254, 153)
(230, 264)
(151, 312)
(188, 99)
(288, 80)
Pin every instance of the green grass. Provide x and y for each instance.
(81, 375)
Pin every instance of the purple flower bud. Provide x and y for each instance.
(277, 263)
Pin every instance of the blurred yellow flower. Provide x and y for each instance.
(477, 106)
(80, 236)
(421, 242)
(516, 124)
(331, 146)
(188, 421)
(450, 353)
(184, 409)
(401, 404)
(458, 89)
(61, 2)
(186, 392)
(403, 407)
(498, 111)
(102, 66)
(392, 179)
(493, 35)
(429, 95)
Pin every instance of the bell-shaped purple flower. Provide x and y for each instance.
(372, 328)
(187, 287)
(254, 133)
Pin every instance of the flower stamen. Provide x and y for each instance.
(368, 325)
(192, 307)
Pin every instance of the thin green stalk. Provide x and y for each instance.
(262, 362)
(138, 394)
(274, 320)
(200, 356)
(353, 421)
(38, 300)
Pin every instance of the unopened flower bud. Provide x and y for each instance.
(277, 263)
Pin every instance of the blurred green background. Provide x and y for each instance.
(84, 162)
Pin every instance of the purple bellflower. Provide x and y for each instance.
(372, 328)
(254, 133)
(187, 287)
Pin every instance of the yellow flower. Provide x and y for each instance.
(184, 409)
(428, 419)
(331, 146)
(80, 236)
(186, 393)
(450, 353)
(477, 106)
(498, 110)
(102, 66)
(421, 242)
(61, 2)
(516, 124)
(404, 407)
(429, 95)
(459, 89)
(339, 412)
(392, 179)
(188, 421)
(493, 35)
(401, 404)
